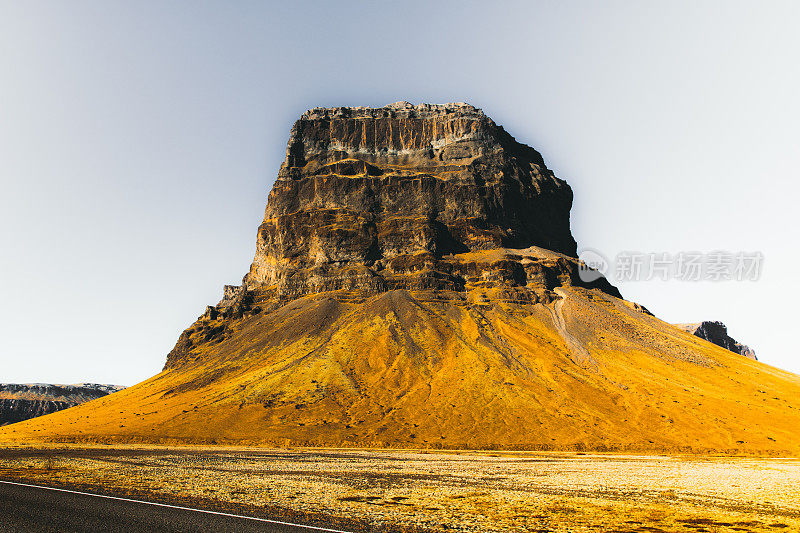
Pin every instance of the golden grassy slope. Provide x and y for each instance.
(440, 370)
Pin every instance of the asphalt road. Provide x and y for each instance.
(28, 508)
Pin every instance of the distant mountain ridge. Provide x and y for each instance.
(22, 401)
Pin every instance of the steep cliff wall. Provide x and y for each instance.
(363, 186)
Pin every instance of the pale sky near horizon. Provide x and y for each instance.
(139, 141)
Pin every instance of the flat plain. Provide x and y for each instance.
(389, 490)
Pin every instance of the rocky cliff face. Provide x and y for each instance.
(717, 333)
(427, 197)
(363, 187)
(20, 402)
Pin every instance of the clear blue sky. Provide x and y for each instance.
(139, 141)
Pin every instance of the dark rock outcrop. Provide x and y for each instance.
(717, 333)
(20, 402)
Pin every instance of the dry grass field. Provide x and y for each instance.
(425, 491)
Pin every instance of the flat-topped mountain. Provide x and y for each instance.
(406, 198)
(415, 284)
(23, 401)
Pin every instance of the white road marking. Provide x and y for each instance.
(178, 507)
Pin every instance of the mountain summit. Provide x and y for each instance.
(415, 284)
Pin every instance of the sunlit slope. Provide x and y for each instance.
(425, 369)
